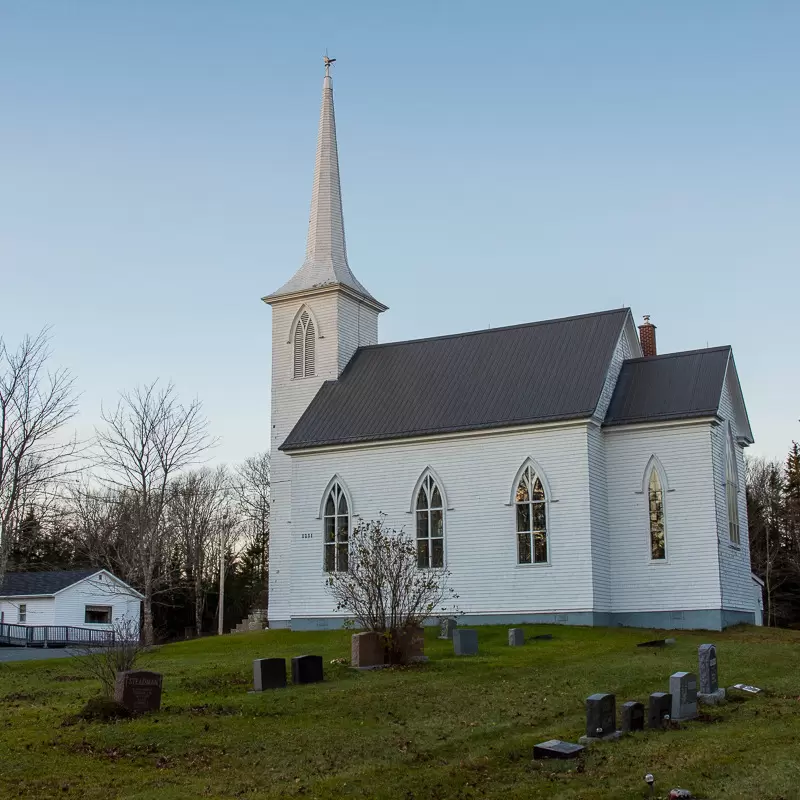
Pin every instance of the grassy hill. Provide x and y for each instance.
(453, 728)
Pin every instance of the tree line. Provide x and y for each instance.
(773, 512)
(136, 499)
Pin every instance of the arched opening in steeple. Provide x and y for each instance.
(304, 345)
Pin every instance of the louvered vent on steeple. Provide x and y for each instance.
(304, 336)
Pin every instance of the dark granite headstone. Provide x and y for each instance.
(543, 637)
(139, 690)
(656, 643)
(683, 687)
(446, 627)
(709, 680)
(632, 717)
(601, 715)
(555, 748)
(516, 637)
(269, 673)
(306, 669)
(659, 709)
(465, 642)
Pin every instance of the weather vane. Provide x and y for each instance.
(328, 62)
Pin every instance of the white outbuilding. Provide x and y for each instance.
(48, 603)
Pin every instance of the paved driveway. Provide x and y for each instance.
(34, 653)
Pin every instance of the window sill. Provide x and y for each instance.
(734, 546)
(534, 565)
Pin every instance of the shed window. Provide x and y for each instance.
(97, 615)
(22, 613)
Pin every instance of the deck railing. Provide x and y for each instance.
(53, 635)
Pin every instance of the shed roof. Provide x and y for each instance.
(669, 387)
(27, 584)
(538, 372)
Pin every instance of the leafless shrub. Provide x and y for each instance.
(103, 663)
(383, 589)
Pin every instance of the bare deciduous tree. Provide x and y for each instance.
(252, 485)
(148, 439)
(383, 589)
(35, 405)
(197, 503)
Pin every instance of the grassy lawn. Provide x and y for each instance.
(455, 727)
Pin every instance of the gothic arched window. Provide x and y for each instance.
(337, 530)
(655, 505)
(732, 488)
(530, 501)
(430, 525)
(304, 339)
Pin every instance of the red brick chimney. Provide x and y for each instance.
(647, 337)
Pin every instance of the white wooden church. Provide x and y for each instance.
(561, 470)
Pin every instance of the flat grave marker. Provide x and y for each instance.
(555, 748)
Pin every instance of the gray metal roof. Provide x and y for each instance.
(539, 372)
(26, 584)
(669, 387)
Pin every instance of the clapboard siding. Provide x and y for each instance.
(622, 351)
(735, 570)
(478, 474)
(40, 610)
(342, 325)
(598, 498)
(70, 603)
(689, 579)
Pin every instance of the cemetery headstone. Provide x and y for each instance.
(710, 693)
(465, 642)
(632, 717)
(411, 644)
(269, 673)
(543, 637)
(555, 748)
(139, 690)
(446, 627)
(367, 650)
(516, 637)
(683, 687)
(306, 669)
(657, 643)
(601, 715)
(659, 709)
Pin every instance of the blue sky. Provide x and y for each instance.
(501, 163)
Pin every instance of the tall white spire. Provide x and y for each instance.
(325, 263)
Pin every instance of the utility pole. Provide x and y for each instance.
(223, 543)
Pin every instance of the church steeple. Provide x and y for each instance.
(325, 264)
